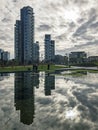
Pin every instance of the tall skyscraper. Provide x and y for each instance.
(49, 49)
(24, 36)
(18, 42)
(36, 52)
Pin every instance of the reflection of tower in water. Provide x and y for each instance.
(4, 75)
(35, 80)
(49, 84)
(24, 97)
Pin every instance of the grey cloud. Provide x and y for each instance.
(57, 4)
(81, 20)
(6, 38)
(54, 6)
(1, 44)
(92, 12)
(87, 44)
(6, 20)
(94, 25)
(14, 0)
(72, 24)
(79, 2)
(86, 37)
(63, 26)
(44, 28)
(62, 52)
(90, 47)
(83, 39)
(64, 3)
(61, 37)
(83, 28)
(90, 23)
(2, 37)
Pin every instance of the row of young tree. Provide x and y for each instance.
(4, 63)
(63, 60)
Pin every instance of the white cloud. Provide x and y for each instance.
(59, 18)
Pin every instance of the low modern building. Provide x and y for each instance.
(1, 51)
(93, 59)
(5, 56)
(59, 59)
(77, 57)
(49, 49)
(52, 50)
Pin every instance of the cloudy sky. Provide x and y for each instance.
(73, 24)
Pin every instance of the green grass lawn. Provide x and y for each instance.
(40, 68)
(29, 68)
(14, 68)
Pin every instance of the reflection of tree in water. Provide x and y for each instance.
(49, 84)
(24, 95)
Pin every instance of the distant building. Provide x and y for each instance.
(36, 52)
(77, 57)
(52, 50)
(1, 51)
(59, 59)
(49, 49)
(93, 59)
(24, 36)
(5, 56)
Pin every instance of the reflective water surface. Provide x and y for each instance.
(30, 101)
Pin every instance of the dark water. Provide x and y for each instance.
(42, 101)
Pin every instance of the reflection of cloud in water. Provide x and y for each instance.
(71, 114)
(73, 105)
(81, 95)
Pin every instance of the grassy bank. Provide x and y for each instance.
(11, 69)
(79, 72)
(86, 70)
